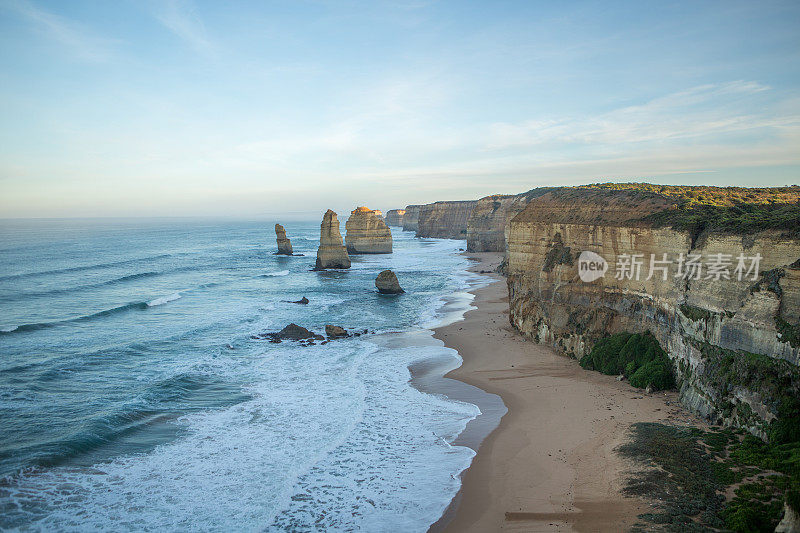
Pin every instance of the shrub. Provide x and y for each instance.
(689, 471)
(638, 356)
(656, 373)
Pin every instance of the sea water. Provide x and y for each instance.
(134, 394)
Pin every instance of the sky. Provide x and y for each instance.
(250, 109)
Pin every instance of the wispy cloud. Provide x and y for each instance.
(181, 18)
(80, 41)
(704, 111)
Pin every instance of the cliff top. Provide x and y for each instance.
(528, 195)
(578, 205)
(692, 196)
(696, 209)
(441, 202)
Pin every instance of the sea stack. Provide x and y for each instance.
(394, 217)
(367, 233)
(284, 244)
(331, 252)
(387, 283)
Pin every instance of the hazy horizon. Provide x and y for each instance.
(198, 109)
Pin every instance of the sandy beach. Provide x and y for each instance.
(550, 465)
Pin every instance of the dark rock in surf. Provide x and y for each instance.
(387, 283)
(292, 332)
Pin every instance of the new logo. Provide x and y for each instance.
(591, 266)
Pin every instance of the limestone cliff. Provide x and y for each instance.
(487, 227)
(367, 233)
(735, 344)
(284, 244)
(331, 252)
(394, 217)
(411, 217)
(445, 220)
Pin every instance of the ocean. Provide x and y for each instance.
(134, 394)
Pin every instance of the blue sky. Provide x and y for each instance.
(180, 107)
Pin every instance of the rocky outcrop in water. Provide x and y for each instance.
(445, 220)
(411, 217)
(394, 217)
(292, 332)
(335, 332)
(487, 227)
(367, 233)
(284, 244)
(331, 252)
(387, 283)
(735, 344)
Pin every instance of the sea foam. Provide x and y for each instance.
(164, 299)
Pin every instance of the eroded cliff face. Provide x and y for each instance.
(411, 218)
(733, 342)
(487, 227)
(445, 220)
(394, 217)
(367, 233)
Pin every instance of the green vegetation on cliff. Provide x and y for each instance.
(638, 356)
(776, 380)
(694, 313)
(689, 471)
(737, 210)
(696, 196)
(740, 219)
(788, 332)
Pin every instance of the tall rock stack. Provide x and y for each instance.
(284, 244)
(367, 233)
(411, 217)
(394, 217)
(331, 252)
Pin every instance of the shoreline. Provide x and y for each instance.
(550, 464)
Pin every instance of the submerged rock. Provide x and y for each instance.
(284, 244)
(335, 332)
(331, 252)
(387, 283)
(367, 233)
